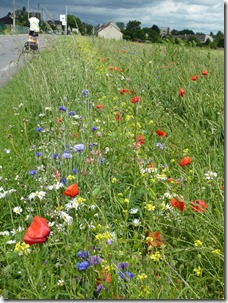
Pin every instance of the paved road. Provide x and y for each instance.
(12, 56)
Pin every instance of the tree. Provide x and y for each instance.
(74, 22)
(21, 16)
(120, 25)
(133, 30)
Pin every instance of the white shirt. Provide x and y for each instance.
(34, 24)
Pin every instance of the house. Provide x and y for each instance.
(199, 37)
(164, 31)
(109, 31)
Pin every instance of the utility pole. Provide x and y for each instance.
(28, 9)
(66, 22)
(14, 15)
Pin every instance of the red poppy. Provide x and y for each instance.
(71, 190)
(140, 140)
(118, 116)
(123, 51)
(194, 78)
(181, 92)
(151, 165)
(111, 67)
(135, 99)
(104, 276)
(222, 187)
(164, 66)
(160, 133)
(199, 206)
(204, 72)
(155, 240)
(177, 203)
(171, 180)
(115, 68)
(124, 91)
(103, 59)
(185, 161)
(37, 232)
(100, 106)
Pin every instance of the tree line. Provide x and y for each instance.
(132, 31)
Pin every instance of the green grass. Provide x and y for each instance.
(119, 199)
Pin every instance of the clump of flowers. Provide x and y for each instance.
(22, 248)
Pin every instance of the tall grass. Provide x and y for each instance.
(151, 248)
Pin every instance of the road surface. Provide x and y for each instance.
(12, 56)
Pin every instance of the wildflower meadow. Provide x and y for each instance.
(112, 172)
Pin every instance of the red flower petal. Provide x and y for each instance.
(37, 232)
(185, 161)
(177, 203)
(204, 72)
(181, 92)
(160, 133)
(100, 106)
(194, 78)
(118, 116)
(71, 190)
(199, 206)
(135, 99)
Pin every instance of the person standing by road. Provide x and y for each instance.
(34, 27)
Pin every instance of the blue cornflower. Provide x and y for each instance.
(82, 254)
(85, 92)
(62, 108)
(39, 129)
(101, 161)
(94, 128)
(99, 288)
(55, 156)
(79, 147)
(126, 274)
(38, 154)
(123, 265)
(63, 181)
(74, 171)
(71, 113)
(66, 155)
(82, 265)
(32, 172)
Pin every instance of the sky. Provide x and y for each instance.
(203, 16)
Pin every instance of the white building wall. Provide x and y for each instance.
(110, 32)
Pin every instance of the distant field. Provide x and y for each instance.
(120, 147)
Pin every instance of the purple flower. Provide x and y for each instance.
(85, 92)
(123, 265)
(79, 148)
(39, 129)
(126, 274)
(109, 242)
(63, 181)
(55, 156)
(62, 108)
(32, 172)
(99, 288)
(82, 265)
(84, 254)
(94, 260)
(94, 128)
(38, 154)
(74, 171)
(71, 113)
(66, 155)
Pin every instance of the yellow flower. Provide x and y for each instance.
(142, 277)
(22, 248)
(172, 160)
(113, 180)
(126, 200)
(198, 243)
(149, 207)
(216, 251)
(156, 257)
(198, 271)
(59, 208)
(151, 122)
(70, 177)
(185, 151)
